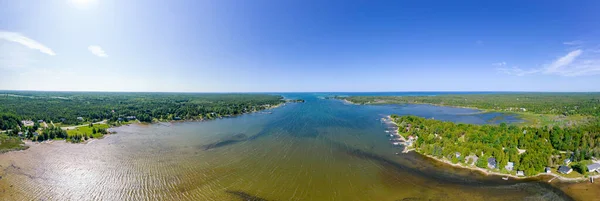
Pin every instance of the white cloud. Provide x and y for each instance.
(97, 50)
(499, 64)
(28, 42)
(574, 63)
(563, 62)
(515, 70)
(575, 42)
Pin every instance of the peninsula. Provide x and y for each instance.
(559, 135)
(79, 116)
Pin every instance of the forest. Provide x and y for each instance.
(72, 108)
(587, 104)
(531, 149)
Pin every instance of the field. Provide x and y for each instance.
(88, 131)
(8, 143)
(550, 120)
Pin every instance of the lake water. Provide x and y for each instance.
(317, 150)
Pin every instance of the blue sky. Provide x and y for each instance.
(299, 45)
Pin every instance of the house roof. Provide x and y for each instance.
(492, 160)
(563, 168)
(593, 166)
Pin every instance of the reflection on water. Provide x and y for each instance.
(318, 150)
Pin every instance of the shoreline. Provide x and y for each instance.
(29, 143)
(205, 119)
(487, 172)
(525, 117)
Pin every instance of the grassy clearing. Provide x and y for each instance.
(8, 143)
(539, 120)
(573, 174)
(87, 131)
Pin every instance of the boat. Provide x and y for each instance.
(504, 178)
(387, 131)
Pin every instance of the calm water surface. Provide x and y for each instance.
(318, 150)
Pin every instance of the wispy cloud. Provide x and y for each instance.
(563, 62)
(575, 42)
(28, 42)
(97, 50)
(515, 70)
(574, 63)
(499, 64)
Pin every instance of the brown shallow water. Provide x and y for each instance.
(320, 150)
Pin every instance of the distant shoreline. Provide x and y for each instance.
(28, 143)
(528, 119)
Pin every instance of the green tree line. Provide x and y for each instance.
(66, 107)
(540, 146)
(538, 103)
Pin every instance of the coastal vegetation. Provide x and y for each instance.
(538, 103)
(530, 149)
(40, 116)
(537, 109)
(557, 127)
(73, 108)
(10, 143)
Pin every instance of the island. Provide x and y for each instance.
(295, 100)
(560, 135)
(80, 116)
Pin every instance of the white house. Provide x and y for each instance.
(509, 166)
(594, 167)
(520, 173)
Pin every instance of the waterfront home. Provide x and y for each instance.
(457, 154)
(27, 123)
(509, 166)
(20, 134)
(40, 121)
(567, 161)
(119, 119)
(594, 167)
(565, 169)
(35, 134)
(492, 163)
(176, 118)
(80, 118)
(520, 173)
(130, 117)
(548, 170)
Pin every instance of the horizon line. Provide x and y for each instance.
(266, 92)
